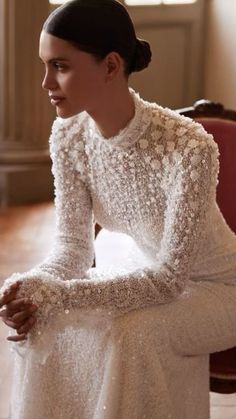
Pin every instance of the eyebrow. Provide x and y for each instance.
(55, 59)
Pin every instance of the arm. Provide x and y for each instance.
(192, 188)
(72, 254)
(73, 251)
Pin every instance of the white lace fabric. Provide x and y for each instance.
(156, 181)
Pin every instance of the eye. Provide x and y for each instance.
(59, 66)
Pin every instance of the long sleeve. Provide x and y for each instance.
(73, 251)
(191, 191)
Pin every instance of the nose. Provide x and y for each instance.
(49, 82)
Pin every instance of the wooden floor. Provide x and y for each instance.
(26, 235)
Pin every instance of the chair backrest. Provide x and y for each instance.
(221, 123)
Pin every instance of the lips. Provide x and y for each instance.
(55, 100)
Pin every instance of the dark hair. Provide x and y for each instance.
(99, 27)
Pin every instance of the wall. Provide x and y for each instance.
(176, 34)
(25, 112)
(220, 72)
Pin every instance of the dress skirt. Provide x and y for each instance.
(151, 363)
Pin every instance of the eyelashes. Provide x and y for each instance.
(59, 66)
(55, 64)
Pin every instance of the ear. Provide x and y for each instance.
(113, 62)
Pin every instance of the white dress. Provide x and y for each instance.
(129, 343)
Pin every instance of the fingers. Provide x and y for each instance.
(3, 313)
(17, 313)
(17, 319)
(10, 323)
(17, 338)
(9, 294)
(27, 326)
(22, 315)
(7, 297)
(17, 305)
(22, 329)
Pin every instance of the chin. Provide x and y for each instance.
(62, 113)
(65, 115)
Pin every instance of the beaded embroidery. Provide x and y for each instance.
(156, 180)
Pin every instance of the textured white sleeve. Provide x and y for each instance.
(191, 192)
(73, 250)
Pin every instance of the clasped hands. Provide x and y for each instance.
(18, 312)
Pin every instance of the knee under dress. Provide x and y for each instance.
(129, 343)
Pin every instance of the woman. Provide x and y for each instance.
(132, 343)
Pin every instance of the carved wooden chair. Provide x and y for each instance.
(221, 123)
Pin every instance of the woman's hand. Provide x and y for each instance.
(18, 312)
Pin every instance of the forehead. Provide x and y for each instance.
(50, 46)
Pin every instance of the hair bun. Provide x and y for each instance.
(143, 55)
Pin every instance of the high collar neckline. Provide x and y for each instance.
(130, 133)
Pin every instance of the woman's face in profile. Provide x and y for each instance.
(73, 79)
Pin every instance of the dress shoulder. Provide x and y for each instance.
(171, 131)
(65, 132)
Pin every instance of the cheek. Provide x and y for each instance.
(87, 86)
(83, 85)
(66, 82)
(95, 85)
(92, 75)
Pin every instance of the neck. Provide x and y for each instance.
(115, 111)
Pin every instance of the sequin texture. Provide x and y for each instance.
(160, 189)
